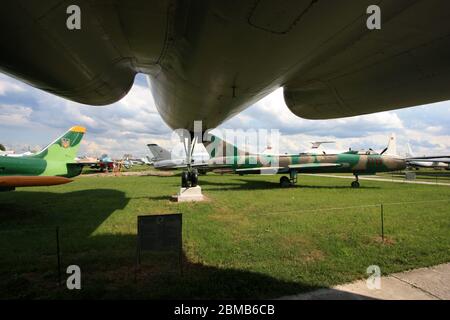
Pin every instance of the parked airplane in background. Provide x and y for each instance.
(6, 153)
(11, 153)
(436, 162)
(162, 159)
(54, 165)
(356, 162)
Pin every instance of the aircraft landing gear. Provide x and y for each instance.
(190, 190)
(189, 179)
(185, 179)
(286, 182)
(355, 184)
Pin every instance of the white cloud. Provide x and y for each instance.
(14, 115)
(7, 86)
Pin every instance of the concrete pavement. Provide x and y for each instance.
(432, 283)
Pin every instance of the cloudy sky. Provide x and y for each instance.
(31, 118)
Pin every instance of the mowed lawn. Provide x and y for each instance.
(251, 239)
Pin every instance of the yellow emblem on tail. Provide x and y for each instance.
(65, 143)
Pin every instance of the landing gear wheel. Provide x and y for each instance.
(194, 178)
(185, 179)
(355, 184)
(285, 182)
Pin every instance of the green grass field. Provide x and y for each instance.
(425, 175)
(251, 239)
(428, 175)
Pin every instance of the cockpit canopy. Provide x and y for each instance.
(362, 152)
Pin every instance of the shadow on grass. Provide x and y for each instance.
(107, 261)
(86, 208)
(159, 198)
(159, 277)
(248, 184)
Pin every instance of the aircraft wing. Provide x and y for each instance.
(430, 159)
(195, 165)
(261, 170)
(210, 60)
(314, 165)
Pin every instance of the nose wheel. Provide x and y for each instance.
(355, 184)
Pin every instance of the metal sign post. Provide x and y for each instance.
(382, 222)
(58, 255)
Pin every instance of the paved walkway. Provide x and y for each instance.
(431, 283)
(378, 179)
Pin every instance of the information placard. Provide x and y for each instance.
(160, 232)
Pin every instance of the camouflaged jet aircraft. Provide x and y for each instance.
(225, 155)
(54, 165)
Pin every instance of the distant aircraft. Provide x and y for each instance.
(6, 153)
(104, 163)
(356, 162)
(11, 153)
(147, 161)
(162, 159)
(54, 165)
(436, 162)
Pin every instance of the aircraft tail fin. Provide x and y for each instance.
(317, 144)
(409, 152)
(391, 149)
(64, 148)
(218, 147)
(159, 153)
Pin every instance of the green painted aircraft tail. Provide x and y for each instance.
(219, 147)
(64, 148)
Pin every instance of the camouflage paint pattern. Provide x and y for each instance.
(57, 159)
(225, 155)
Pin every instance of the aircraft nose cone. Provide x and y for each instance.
(394, 163)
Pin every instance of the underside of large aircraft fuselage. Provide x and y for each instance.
(209, 60)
